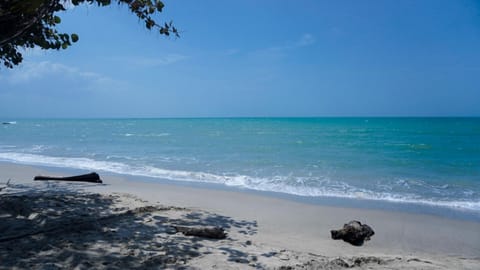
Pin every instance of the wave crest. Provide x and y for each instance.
(328, 188)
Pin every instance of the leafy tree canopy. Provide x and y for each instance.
(30, 23)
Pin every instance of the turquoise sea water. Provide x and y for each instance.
(427, 161)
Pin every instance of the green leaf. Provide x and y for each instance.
(160, 6)
(74, 37)
(57, 19)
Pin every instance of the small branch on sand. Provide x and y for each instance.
(90, 177)
(206, 232)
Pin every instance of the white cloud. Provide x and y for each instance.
(30, 73)
(306, 40)
(168, 59)
(230, 52)
(279, 51)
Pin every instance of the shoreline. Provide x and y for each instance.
(332, 201)
(297, 225)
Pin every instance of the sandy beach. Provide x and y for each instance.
(128, 224)
(284, 135)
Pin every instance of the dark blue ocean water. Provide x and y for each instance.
(428, 161)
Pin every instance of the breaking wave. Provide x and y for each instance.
(325, 188)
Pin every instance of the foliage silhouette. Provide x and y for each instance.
(27, 24)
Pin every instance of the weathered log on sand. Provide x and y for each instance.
(207, 232)
(354, 233)
(90, 177)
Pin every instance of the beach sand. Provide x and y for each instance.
(127, 224)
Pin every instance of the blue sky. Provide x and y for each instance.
(258, 58)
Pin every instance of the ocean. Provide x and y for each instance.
(415, 161)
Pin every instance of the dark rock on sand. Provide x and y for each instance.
(354, 233)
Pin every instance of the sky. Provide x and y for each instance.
(269, 58)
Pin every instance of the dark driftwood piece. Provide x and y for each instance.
(90, 177)
(207, 232)
(354, 233)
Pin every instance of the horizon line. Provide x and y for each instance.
(232, 117)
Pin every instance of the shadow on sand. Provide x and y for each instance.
(60, 226)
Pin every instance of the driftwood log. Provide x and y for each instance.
(90, 177)
(354, 233)
(206, 232)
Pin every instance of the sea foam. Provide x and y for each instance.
(326, 187)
